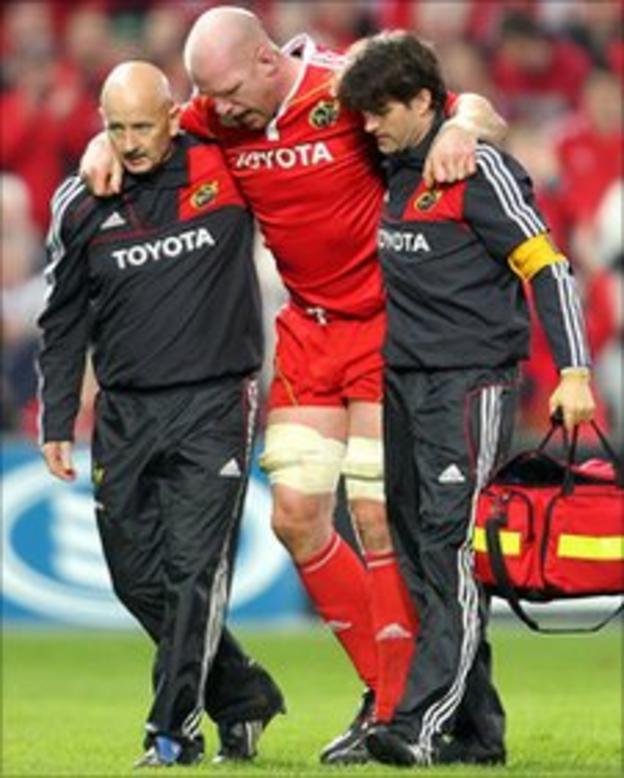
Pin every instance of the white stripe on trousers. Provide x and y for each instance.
(467, 593)
(219, 593)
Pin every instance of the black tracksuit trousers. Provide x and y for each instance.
(445, 431)
(170, 470)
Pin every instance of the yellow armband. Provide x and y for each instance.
(530, 257)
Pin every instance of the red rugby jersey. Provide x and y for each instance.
(312, 179)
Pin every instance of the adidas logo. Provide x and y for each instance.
(393, 631)
(114, 220)
(339, 626)
(451, 475)
(230, 469)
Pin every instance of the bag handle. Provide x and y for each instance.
(610, 452)
(570, 448)
(503, 582)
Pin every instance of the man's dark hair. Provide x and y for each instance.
(391, 66)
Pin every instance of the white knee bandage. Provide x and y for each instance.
(363, 468)
(300, 457)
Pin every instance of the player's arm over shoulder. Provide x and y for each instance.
(452, 156)
(475, 114)
(198, 116)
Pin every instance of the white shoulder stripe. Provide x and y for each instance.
(508, 192)
(55, 243)
(61, 190)
(62, 197)
(58, 196)
(514, 188)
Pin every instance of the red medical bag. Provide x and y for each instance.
(548, 529)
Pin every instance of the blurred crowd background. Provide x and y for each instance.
(553, 68)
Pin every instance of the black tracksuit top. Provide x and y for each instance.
(453, 300)
(159, 282)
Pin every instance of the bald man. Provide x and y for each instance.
(315, 186)
(159, 283)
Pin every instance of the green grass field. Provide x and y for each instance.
(73, 704)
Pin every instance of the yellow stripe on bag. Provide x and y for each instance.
(510, 541)
(607, 549)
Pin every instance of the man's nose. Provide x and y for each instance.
(223, 107)
(371, 123)
(129, 142)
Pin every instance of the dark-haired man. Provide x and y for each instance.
(159, 281)
(454, 257)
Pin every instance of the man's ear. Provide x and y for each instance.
(174, 120)
(267, 55)
(422, 102)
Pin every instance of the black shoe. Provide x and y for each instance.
(192, 751)
(239, 740)
(467, 751)
(349, 747)
(389, 747)
(165, 752)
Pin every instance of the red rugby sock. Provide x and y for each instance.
(337, 583)
(395, 625)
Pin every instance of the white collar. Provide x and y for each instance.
(300, 43)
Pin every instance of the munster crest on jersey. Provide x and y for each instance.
(426, 200)
(324, 114)
(204, 194)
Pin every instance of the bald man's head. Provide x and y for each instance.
(230, 57)
(223, 35)
(139, 115)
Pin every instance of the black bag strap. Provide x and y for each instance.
(505, 587)
(570, 448)
(554, 426)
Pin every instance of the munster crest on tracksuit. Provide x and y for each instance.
(427, 200)
(204, 194)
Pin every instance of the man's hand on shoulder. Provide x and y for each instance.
(452, 155)
(100, 169)
(58, 458)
